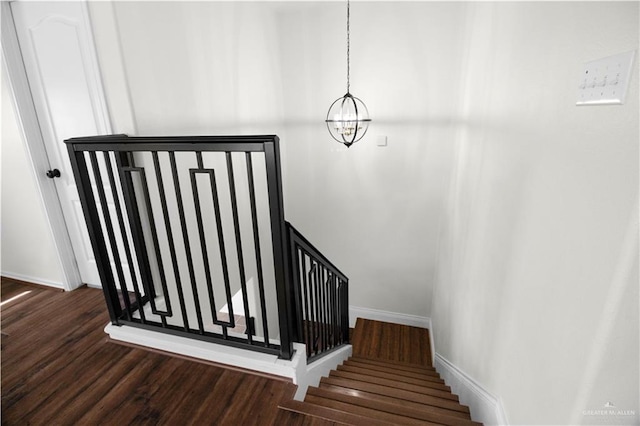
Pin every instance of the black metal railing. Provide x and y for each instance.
(188, 235)
(321, 297)
(189, 238)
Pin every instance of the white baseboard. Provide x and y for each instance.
(297, 369)
(34, 280)
(484, 406)
(386, 316)
(220, 354)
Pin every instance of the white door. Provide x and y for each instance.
(60, 60)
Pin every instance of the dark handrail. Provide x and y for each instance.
(302, 240)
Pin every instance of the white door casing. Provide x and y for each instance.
(62, 69)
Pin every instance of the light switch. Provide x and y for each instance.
(605, 81)
(381, 141)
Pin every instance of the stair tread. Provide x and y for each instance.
(369, 413)
(391, 369)
(390, 406)
(422, 380)
(330, 414)
(438, 391)
(396, 393)
(420, 406)
(395, 364)
(391, 341)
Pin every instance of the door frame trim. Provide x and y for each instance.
(36, 152)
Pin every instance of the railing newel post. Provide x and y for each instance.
(278, 237)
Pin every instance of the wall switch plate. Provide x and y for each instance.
(381, 141)
(605, 81)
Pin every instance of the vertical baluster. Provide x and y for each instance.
(330, 323)
(345, 313)
(108, 224)
(336, 289)
(332, 307)
(201, 233)
(185, 237)
(318, 324)
(223, 260)
(307, 315)
(172, 249)
(125, 240)
(126, 166)
(312, 302)
(322, 303)
(325, 323)
(156, 248)
(148, 277)
(236, 227)
(256, 246)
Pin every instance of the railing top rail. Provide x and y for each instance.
(311, 249)
(122, 142)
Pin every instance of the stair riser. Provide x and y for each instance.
(396, 393)
(440, 393)
(362, 411)
(428, 409)
(431, 381)
(391, 369)
(397, 365)
(386, 407)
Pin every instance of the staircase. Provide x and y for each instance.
(388, 380)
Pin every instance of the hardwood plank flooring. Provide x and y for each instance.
(59, 368)
(391, 342)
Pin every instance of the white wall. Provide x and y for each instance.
(374, 210)
(275, 68)
(494, 186)
(537, 287)
(27, 251)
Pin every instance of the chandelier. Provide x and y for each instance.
(348, 117)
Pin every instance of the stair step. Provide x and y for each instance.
(420, 406)
(330, 414)
(383, 340)
(437, 390)
(421, 380)
(390, 405)
(394, 364)
(364, 411)
(388, 369)
(396, 393)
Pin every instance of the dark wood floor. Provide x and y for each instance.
(391, 342)
(58, 368)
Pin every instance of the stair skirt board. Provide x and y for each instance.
(296, 369)
(484, 406)
(319, 369)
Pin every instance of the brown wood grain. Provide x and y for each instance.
(59, 368)
(391, 342)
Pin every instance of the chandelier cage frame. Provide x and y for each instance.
(348, 117)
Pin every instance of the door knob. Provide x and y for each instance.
(53, 173)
